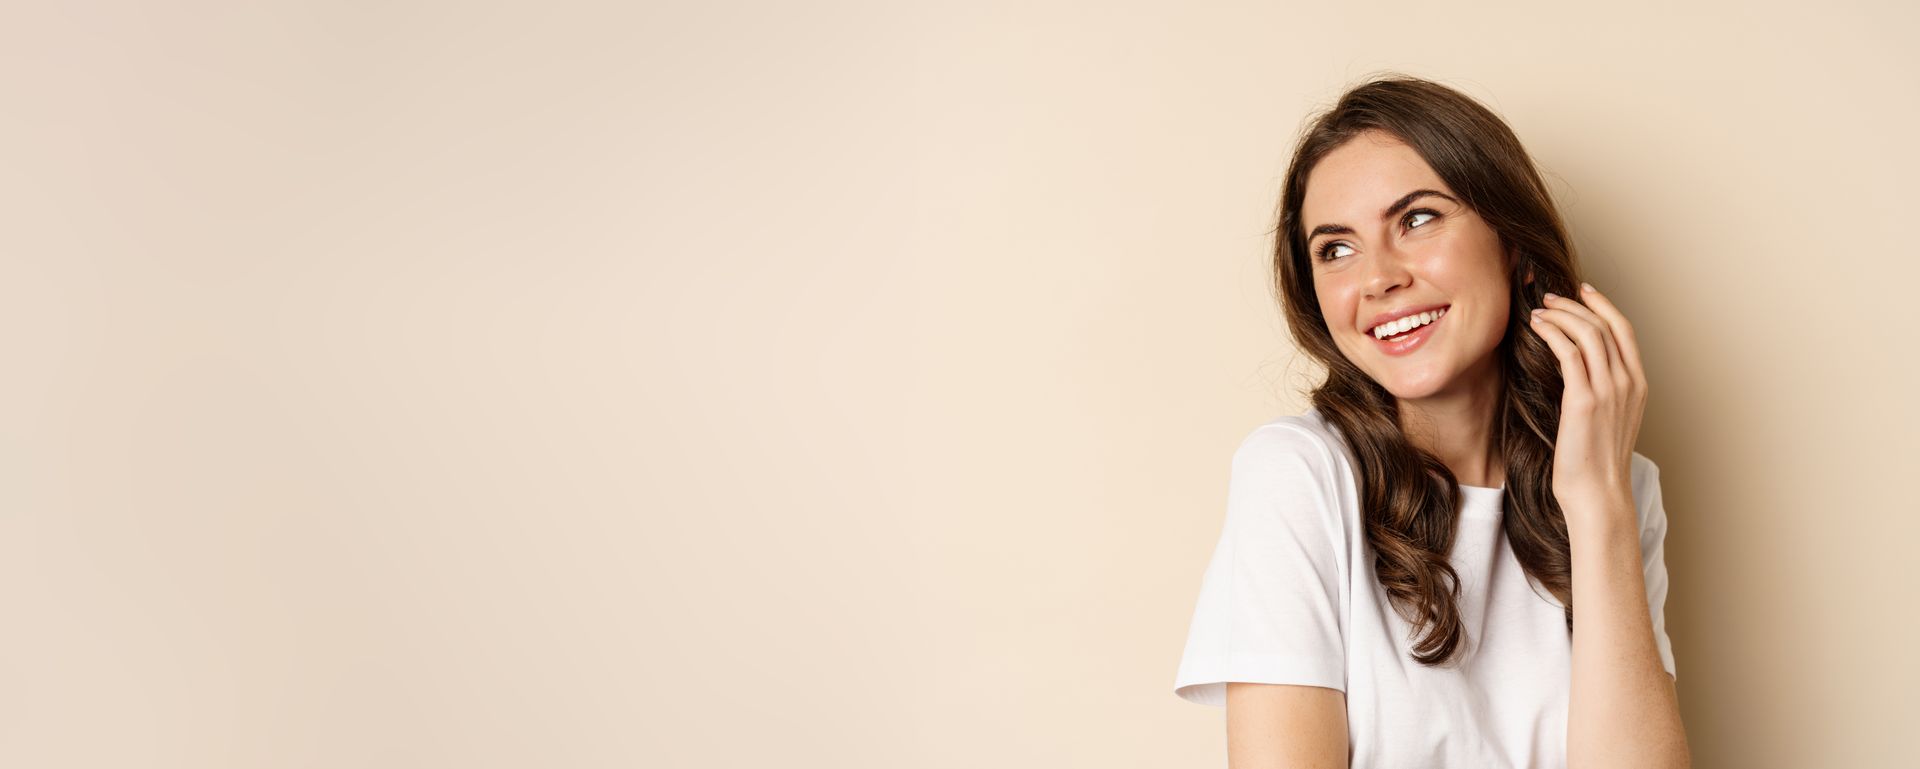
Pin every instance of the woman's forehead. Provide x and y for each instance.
(1353, 182)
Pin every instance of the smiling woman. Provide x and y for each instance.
(1365, 261)
(1402, 559)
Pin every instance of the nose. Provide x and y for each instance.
(1385, 270)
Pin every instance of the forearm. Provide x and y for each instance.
(1622, 711)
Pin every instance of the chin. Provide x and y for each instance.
(1414, 393)
(1415, 385)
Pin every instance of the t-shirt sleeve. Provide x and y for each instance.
(1272, 602)
(1653, 538)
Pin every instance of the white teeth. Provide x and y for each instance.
(1403, 325)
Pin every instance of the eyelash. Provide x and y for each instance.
(1320, 254)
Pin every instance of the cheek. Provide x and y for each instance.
(1334, 290)
(1336, 304)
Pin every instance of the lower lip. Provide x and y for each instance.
(1411, 341)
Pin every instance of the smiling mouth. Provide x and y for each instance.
(1407, 333)
(1413, 339)
(1410, 332)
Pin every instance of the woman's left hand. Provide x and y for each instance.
(1604, 399)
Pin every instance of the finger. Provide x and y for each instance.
(1588, 344)
(1590, 331)
(1572, 368)
(1622, 333)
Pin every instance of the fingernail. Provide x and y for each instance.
(1538, 310)
(1587, 286)
(1551, 295)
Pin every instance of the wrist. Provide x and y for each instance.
(1601, 514)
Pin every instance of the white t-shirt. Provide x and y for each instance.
(1290, 597)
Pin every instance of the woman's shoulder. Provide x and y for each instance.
(1304, 446)
(1306, 435)
(1643, 471)
(1290, 474)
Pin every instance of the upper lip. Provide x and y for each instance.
(1400, 313)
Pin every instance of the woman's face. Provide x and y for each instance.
(1428, 251)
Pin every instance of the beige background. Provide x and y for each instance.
(852, 385)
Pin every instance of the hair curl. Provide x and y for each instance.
(1409, 497)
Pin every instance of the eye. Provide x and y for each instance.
(1321, 252)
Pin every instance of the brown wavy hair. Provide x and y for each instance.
(1409, 498)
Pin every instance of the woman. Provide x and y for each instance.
(1454, 558)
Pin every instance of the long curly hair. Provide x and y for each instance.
(1409, 498)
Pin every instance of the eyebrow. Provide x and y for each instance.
(1397, 207)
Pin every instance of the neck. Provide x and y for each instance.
(1456, 426)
